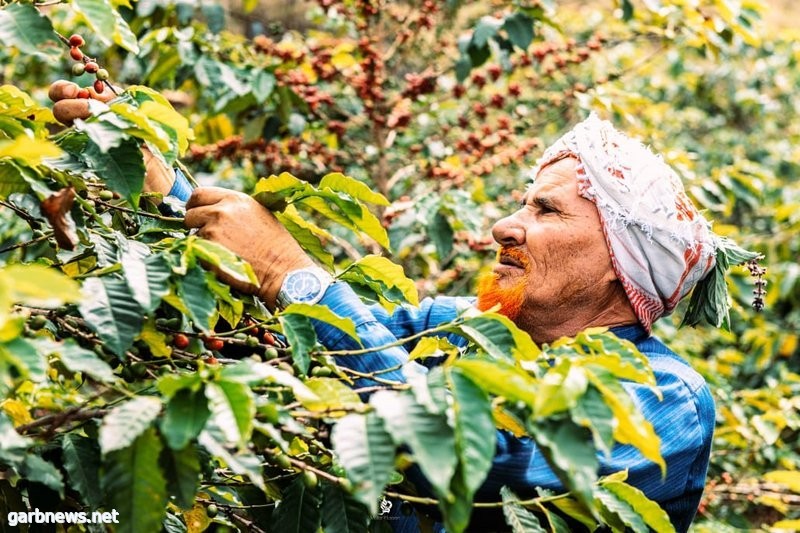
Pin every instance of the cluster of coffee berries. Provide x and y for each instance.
(760, 291)
(85, 64)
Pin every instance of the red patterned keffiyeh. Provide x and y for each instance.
(661, 247)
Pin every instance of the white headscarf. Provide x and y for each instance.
(660, 245)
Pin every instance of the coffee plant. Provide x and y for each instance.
(385, 136)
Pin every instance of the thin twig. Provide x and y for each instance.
(26, 243)
(139, 212)
(27, 217)
(398, 342)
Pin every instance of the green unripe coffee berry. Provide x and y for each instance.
(310, 479)
(102, 74)
(270, 353)
(321, 371)
(283, 461)
(251, 341)
(211, 510)
(139, 370)
(78, 69)
(37, 322)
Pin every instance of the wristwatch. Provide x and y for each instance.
(305, 285)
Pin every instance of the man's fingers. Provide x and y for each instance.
(197, 217)
(106, 96)
(66, 111)
(63, 89)
(206, 196)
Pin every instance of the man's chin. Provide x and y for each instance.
(493, 291)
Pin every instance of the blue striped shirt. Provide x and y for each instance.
(684, 420)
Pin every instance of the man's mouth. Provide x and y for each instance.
(510, 260)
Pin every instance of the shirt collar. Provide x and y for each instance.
(635, 333)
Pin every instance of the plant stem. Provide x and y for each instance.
(139, 212)
(398, 342)
(26, 243)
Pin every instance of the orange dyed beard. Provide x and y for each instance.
(510, 298)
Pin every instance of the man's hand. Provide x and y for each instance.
(244, 226)
(69, 107)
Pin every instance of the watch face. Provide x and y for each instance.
(302, 286)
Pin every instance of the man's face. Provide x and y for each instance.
(553, 258)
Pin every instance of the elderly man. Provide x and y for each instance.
(605, 236)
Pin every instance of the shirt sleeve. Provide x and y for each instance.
(683, 419)
(174, 203)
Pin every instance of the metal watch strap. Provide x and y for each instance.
(283, 300)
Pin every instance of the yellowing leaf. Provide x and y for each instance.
(143, 127)
(196, 519)
(343, 60)
(785, 525)
(17, 411)
(339, 182)
(788, 478)
(332, 395)
(169, 117)
(631, 427)
(323, 314)
(40, 286)
(28, 151)
(505, 420)
(381, 269)
(155, 340)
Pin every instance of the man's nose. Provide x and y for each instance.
(508, 232)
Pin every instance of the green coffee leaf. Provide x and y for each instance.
(301, 336)
(135, 484)
(341, 512)
(569, 451)
(366, 450)
(653, 515)
(474, 428)
(122, 168)
(429, 436)
(323, 314)
(82, 463)
(24, 28)
(218, 257)
(500, 378)
(78, 359)
(232, 408)
(111, 311)
(519, 28)
(124, 423)
(36, 469)
(520, 519)
(182, 471)
(185, 417)
(299, 510)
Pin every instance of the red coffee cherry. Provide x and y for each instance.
(99, 86)
(213, 343)
(91, 67)
(180, 341)
(83, 93)
(75, 53)
(76, 40)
